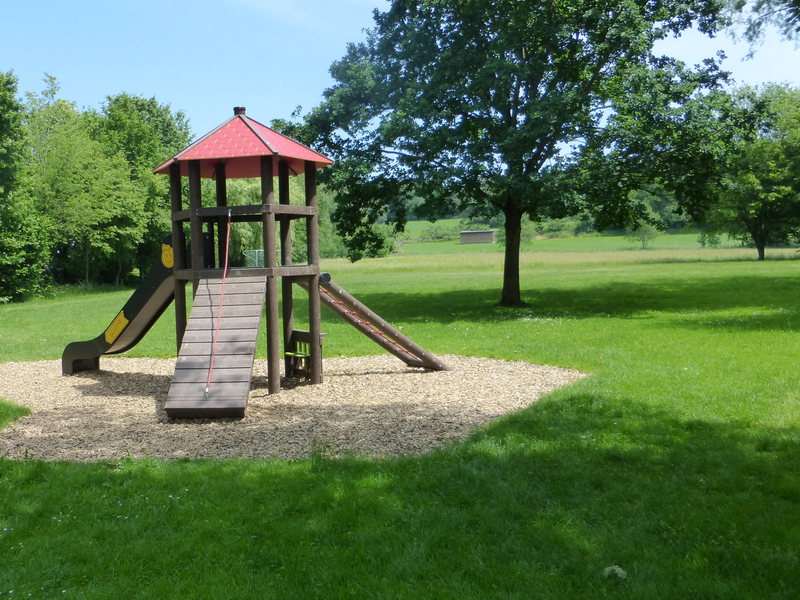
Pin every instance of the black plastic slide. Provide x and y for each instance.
(139, 314)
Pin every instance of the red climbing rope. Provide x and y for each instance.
(221, 298)
(374, 329)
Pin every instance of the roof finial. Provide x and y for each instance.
(239, 110)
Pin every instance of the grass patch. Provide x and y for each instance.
(676, 460)
(418, 229)
(597, 244)
(10, 412)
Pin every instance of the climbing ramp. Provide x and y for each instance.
(214, 382)
(334, 297)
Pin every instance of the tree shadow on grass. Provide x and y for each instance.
(774, 299)
(535, 505)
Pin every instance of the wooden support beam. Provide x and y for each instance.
(195, 222)
(287, 301)
(429, 360)
(178, 252)
(354, 321)
(222, 202)
(312, 237)
(271, 261)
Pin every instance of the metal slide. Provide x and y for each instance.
(139, 314)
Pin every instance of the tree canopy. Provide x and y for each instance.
(754, 16)
(146, 133)
(759, 200)
(23, 235)
(78, 199)
(485, 105)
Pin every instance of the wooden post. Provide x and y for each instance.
(178, 251)
(195, 222)
(208, 261)
(287, 306)
(312, 236)
(222, 222)
(271, 261)
(351, 305)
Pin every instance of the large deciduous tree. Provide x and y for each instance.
(86, 194)
(479, 103)
(759, 199)
(754, 16)
(145, 133)
(23, 235)
(11, 134)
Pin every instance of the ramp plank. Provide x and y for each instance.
(223, 348)
(236, 361)
(225, 335)
(238, 322)
(227, 323)
(229, 300)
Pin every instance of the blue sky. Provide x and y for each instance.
(206, 56)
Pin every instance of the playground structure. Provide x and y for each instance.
(217, 344)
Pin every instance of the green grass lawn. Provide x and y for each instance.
(676, 459)
(416, 229)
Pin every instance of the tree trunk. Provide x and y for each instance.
(86, 256)
(511, 295)
(760, 240)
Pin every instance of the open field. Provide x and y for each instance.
(593, 244)
(676, 459)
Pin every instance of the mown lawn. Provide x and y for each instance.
(604, 243)
(676, 460)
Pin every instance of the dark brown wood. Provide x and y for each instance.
(425, 358)
(294, 271)
(351, 320)
(235, 285)
(217, 375)
(230, 299)
(312, 223)
(233, 353)
(233, 335)
(221, 349)
(243, 310)
(195, 222)
(226, 322)
(181, 215)
(271, 262)
(178, 252)
(237, 361)
(312, 237)
(239, 212)
(222, 202)
(209, 261)
(287, 299)
(367, 315)
(225, 408)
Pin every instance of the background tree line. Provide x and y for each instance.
(511, 112)
(79, 203)
(536, 111)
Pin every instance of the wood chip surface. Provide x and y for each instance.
(374, 406)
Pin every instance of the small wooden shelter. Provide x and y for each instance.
(242, 148)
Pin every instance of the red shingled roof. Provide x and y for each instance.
(242, 142)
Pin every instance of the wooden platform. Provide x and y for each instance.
(241, 312)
